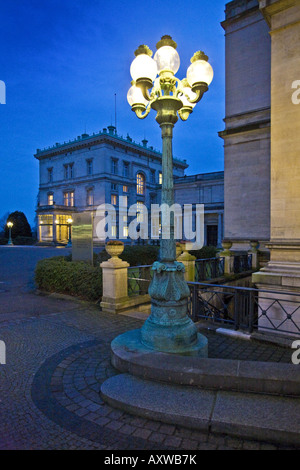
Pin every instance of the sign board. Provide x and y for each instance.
(82, 237)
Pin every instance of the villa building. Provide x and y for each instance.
(80, 175)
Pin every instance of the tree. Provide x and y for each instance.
(20, 226)
(3, 221)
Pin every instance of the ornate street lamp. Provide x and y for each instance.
(10, 225)
(155, 86)
(70, 221)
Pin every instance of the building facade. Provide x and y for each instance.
(247, 124)
(91, 170)
(206, 189)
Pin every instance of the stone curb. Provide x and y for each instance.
(129, 355)
(251, 416)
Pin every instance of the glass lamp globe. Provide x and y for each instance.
(143, 66)
(135, 96)
(199, 70)
(187, 91)
(167, 58)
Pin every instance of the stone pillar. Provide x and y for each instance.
(188, 261)
(115, 283)
(228, 257)
(54, 230)
(282, 273)
(254, 244)
(220, 231)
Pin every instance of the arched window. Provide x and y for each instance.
(140, 183)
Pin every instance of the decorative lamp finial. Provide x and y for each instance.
(199, 55)
(143, 49)
(166, 41)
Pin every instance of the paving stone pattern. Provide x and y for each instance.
(49, 388)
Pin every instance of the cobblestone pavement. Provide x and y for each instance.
(49, 388)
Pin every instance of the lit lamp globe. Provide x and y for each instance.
(166, 56)
(188, 96)
(187, 99)
(135, 97)
(143, 68)
(200, 71)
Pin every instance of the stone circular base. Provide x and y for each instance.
(131, 341)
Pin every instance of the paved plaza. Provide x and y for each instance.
(58, 355)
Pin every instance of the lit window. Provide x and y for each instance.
(90, 197)
(140, 183)
(160, 178)
(50, 199)
(125, 189)
(113, 231)
(69, 198)
(140, 211)
(114, 199)
(125, 232)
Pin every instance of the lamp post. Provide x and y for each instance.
(10, 225)
(155, 86)
(69, 221)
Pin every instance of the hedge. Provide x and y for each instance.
(67, 277)
(134, 255)
(62, 275)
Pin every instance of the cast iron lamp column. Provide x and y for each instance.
(168, 329)
(69, 244)
(10, 225)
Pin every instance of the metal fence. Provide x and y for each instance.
(208, 268)
(245, 308)
(242, 263)
(139, 278)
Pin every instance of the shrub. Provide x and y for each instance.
(205, 252)
(63, 276)
(3, 241)
(134, 255)
(20, 226)
(19, 240)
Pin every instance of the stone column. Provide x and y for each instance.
(254, 244)
(228, 257)
(283, 270)
(188, 261)
(54, 230)
(115, 287)
(220, 234)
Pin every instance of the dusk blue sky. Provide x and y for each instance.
(64, 60)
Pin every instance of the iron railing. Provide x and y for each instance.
(245, 308)
(208, 268)
(242, 263)
(139, 278)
